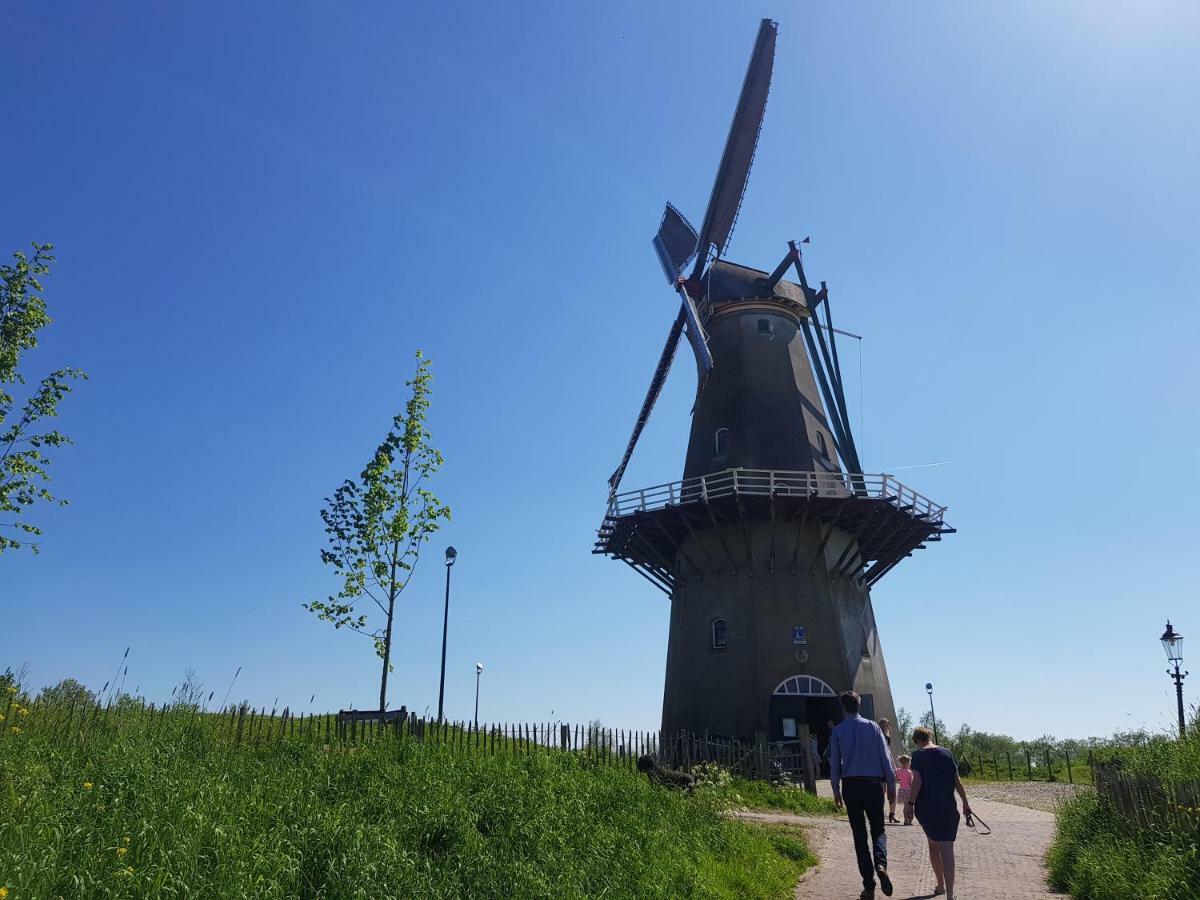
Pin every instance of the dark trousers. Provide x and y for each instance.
(864, 798)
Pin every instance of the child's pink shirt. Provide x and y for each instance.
(904, 776)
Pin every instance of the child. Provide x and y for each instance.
(904, 783)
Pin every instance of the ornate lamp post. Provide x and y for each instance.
(451, 555)
(1173, 645)
(478, 672)
(932, 714)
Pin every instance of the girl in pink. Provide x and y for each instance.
(904, 784)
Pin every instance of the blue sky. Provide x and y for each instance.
(259, 217)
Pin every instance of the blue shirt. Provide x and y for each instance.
(857, 747)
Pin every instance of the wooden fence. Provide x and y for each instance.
(1148, 802)
(244, 725)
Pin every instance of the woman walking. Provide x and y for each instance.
(931, 797)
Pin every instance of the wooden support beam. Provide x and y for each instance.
(800, 534)
(721, 539)
(812, 567)
(678, 549)
(771, 562)
(745, 523)
(687, 523)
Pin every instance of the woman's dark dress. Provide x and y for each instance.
(935, 807)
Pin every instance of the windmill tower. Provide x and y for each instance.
(770, 543)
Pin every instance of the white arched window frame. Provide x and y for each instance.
(719, 634)
(721, 442)
(804, 686)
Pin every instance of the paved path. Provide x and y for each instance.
(1005, 865)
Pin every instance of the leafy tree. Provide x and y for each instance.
(67, 692)
(24, 444)
(375, 526)
(904, 729)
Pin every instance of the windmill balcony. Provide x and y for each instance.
(885, 519)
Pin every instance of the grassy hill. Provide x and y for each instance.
(136, 803)
(1138, 835)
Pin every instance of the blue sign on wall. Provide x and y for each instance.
(798, 635)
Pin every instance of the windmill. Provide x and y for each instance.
(770, 543)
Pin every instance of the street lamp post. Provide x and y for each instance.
(1173, 645)
(932, 714)
(451, 555)
(478, 672)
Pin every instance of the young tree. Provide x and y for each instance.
(24, 445)
(375, 526)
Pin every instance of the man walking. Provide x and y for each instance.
(859, 767)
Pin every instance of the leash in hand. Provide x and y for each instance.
(971, 818)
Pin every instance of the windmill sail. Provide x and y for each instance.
(656, 383)
(734, 170)
(675, 243)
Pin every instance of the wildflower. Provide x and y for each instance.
(87, 785)
(1, 717)
(128, 870)
(22, 711)
(16, 729)
(121, 851)
(12, 690)
(3, 892)
(128, 839)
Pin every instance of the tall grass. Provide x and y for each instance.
(1100, 853)
(168, 805)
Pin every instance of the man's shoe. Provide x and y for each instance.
(884, 881)
(867, 894)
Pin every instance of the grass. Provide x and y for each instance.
(1100, 854)
(741, 793)
(169, 805)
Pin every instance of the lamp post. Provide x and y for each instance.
(1173, 645)
(478, 672)
(451, 555)
(932, 714)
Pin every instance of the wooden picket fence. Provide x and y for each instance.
(1148, 802)
(244, 725)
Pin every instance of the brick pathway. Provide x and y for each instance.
(1005, 865)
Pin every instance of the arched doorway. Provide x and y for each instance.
(803, 700)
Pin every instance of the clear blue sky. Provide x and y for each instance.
(260, 215)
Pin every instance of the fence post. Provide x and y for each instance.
(1028, 765)
(1070, 778)
(1008, 753)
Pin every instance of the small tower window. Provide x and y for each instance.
(765, 327)
(821, 445)
(719, 638)
(721, 442)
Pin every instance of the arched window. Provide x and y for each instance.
(720, 639)
(804, 686)
(821, 445)
(721, 442)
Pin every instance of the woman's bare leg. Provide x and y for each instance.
(946, 851)
(935, 860)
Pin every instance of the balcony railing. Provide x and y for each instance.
(767, 482)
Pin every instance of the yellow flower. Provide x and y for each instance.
(1, 717)
(16, 729)
(12, 690)
(121, 851)
(87, 785)
(3, 892)
(128, 870)
(22, 711)
(128, 839)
